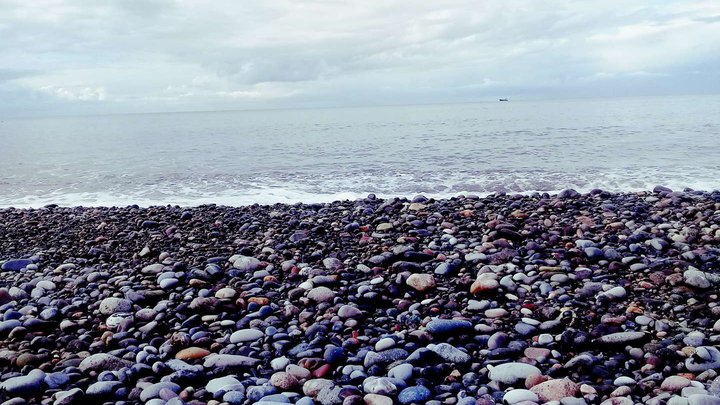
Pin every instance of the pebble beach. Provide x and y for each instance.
(572, 299)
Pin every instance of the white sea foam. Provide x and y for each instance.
(337, 189)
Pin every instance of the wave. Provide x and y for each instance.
(349, 186)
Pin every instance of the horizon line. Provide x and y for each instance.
(340, 107)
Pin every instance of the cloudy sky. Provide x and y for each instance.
(104, 56)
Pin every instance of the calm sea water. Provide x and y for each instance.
(236, 158)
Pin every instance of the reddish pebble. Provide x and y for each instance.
(534, 380)
(322, 371)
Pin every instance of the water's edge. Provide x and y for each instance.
(330, 198)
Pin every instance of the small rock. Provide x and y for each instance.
(421, 282)
(246, 263)
(519, 395)
(349, 311)
(447, 326)
(101, 362)
(401, 371)
(416, 394)
(321, 294)
(192, 353)
(623, 381)
(450, 353)
(379, 385)
(16, 264)
(616, 293)
(313, 387)
(153, 390)
(283, 381)
(375, 399)
(703, 399)
(705, 358)
(218, 384)
(554, 390)
(246, 335)
(226, 293)
(484, 283)
(228, 360)
(621, 337)
(69, 397)
(24, 386)
(510, 373)
(696, 278)
(112, 305)
(674, 383)
(332, 263)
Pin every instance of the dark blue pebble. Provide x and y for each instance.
(56, 380)
(334, 354)
(256, 392)
(417, 394)
(446, 326)
(16, 264)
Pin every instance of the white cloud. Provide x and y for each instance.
(78, 93)
(135, 55)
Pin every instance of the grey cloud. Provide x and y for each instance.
(12, 74)
(147, 55)
(709, 20)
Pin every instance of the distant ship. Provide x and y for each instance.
(504, 99)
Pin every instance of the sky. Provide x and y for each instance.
(118, 56)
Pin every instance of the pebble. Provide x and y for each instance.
(112, 305)
(245, 263)
(421, 282)
(25, 385)
(417, 394)
(450, 353)
(624, 380)
(321, 294)
(375, 399)
(349, 311)
(674, 383)
(16, 264)
(555, 390)
(69, 397)
(622, 337)
(246, 335)
(694, 339)
(484, 283)
(515, 396)
(705, 358)
(283, 381)
(696, 278)
(381, 386)
(234, 398)
(401, 371)
(496, 313)
(192, 353)
(313, 387)
(153, 390)
(616, 292)
(218, 384)
(105, 389)
(228, 360)
(101, 362)
(463, 301)
(510, 373)
(703, 399)
(447, 326)
(384, 343)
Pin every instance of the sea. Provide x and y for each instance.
(323, 155)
